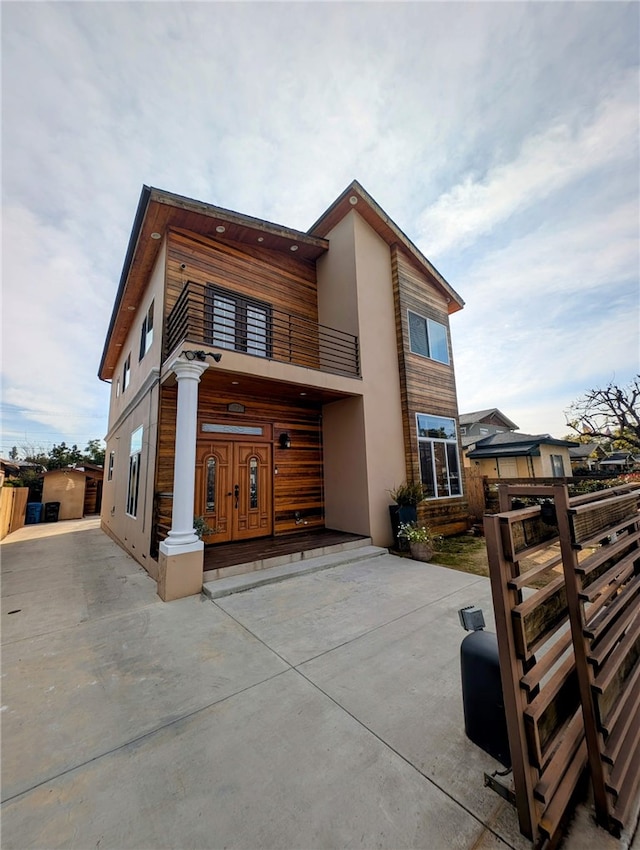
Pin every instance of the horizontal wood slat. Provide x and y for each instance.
(539, 616)
(298, 494)
(590, 520)
(548, 713)
(572, 699)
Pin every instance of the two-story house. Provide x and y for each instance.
(479, 424)
(271, 381)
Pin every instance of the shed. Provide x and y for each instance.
(79, 491)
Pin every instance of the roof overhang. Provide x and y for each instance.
(356, 198)
(158, 212)
(506, 451)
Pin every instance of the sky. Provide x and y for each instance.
(502, 138)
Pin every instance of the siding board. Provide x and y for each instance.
(426, 386)
(298, 484)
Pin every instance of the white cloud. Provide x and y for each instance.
(54, 309)
(547, 163)
(479, 124)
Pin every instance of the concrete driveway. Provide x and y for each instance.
(324, 711)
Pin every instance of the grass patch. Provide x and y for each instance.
(462, 552)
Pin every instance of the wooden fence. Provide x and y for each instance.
(13, 505)
(569, 649)
(482, 495)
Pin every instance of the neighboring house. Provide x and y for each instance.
(8, 469)
(618, 461)
(586, 456)
(512, 455)
(77, 489)
(273, 381)
(479, 424)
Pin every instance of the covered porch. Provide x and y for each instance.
(227, 559)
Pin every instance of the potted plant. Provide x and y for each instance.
(420, 540)
(406, 496)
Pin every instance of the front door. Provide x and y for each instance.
(233, 489)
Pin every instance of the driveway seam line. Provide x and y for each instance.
(360, 722)
(404, 759)
(145, 735)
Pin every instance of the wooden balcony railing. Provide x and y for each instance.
(212, 317)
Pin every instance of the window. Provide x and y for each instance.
(126, 372)
(428, 338)
(210, 499)
(239, 323)
(112, 459)
(146, 332)
(253, 482)
(135, 453)
(438, 451)
(557, 466)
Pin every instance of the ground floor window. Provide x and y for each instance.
(438, 452)
(133, 487)
(557, 467)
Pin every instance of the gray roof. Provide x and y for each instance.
(583, 450)
(510, 444)
(480, 415)
(618, 458)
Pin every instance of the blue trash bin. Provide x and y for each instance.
(34, 513)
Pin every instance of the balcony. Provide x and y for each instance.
(214, 317)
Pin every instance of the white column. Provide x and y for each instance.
(182, 537)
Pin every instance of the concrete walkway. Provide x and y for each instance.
(323, 711)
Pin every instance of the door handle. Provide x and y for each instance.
(236, 493)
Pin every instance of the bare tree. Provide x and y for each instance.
(611, 413)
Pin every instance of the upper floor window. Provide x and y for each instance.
(438, 451)
(146, 332)
(238, 323)
(112, 460)
(126, 372)
(428, 338)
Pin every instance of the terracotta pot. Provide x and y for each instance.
(421, 551)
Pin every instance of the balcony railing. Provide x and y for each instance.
(217, 318)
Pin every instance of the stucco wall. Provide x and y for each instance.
(363, 437)
(541, 465)
(137, 406)
(140, 368)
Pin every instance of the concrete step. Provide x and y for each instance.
(305, 563)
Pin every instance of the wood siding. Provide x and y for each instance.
(285, 282)
(426, 386)
(297, 485)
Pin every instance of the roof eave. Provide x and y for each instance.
(143, 204)
(333, 214)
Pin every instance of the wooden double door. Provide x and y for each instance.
(234, 485)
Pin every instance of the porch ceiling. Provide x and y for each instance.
(158, 211)
(241, 386)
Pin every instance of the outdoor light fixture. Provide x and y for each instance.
(284, 440)
(202, 355)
